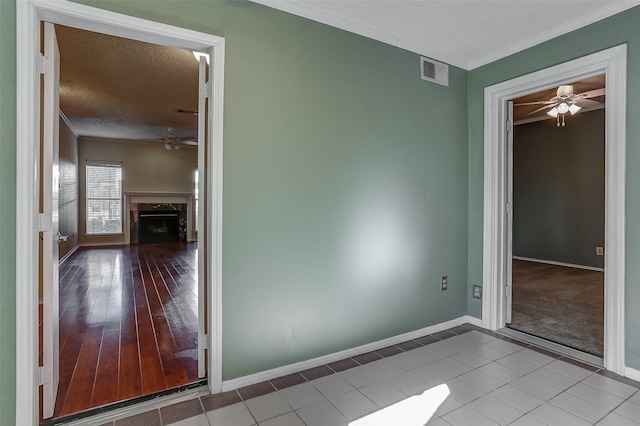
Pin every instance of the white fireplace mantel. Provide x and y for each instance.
(158, 197)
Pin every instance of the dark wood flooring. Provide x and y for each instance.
(128, 324)
(561, 304)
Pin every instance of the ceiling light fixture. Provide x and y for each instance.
(171, 145)
(561, 108)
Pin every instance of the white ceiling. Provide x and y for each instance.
(115, 88)
(467, 34)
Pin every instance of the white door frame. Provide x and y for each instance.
(613, 63)
(29, 15)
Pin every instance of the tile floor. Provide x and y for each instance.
(488, 379)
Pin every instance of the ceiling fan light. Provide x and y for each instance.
(563, 108)
(167, 146)
(553, 112)
(199, 55)
(573, 108)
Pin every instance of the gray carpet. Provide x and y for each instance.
(561, 304)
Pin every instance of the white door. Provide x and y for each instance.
(509, 207)
(203, 98)
(49, 373)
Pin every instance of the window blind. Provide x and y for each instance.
(104, 199)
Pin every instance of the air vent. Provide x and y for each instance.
(434, 71)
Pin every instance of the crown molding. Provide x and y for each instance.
(299, 8)
(565, 28)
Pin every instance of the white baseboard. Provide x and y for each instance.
(553, 262)
(68, 255)
(473, 320)
(337, 356)
(114, 244)
(632, 373)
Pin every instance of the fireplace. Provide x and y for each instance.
(157, 219)
(158, 226)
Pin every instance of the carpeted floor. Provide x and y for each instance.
(561, 304)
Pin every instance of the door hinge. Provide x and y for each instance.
(44, 222)
(507, 292)
(45, 375)
(203, 340)
(509, 126)
(45, 65)
(508, 208)
(205, 90)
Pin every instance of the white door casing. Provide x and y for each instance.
(203, 97)
(49, 372)
(509, 214)
(30, 14)
(612, 63)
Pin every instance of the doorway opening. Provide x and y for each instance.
(30, 222)
(497, 253)
(557, 220)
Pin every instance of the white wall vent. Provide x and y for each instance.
(434, 71)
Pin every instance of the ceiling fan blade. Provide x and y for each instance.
(593, 93)
(588, 103)
(190, 142)
(541, 109)
(534, 103)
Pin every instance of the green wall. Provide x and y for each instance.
(558, 189)
(622, 28)
(7, 211)
(345, 187)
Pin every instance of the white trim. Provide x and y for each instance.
(612, 63)
(69, 125)
(473, 320)
(566, 27)
(305, 10)
(299, 8)
(68, 255)
(28, 17)
(337, 356)
(632, 373)
(553, 262)
(107, 244)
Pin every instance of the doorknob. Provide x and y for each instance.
(62, 238)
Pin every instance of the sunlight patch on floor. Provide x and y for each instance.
(414, 411)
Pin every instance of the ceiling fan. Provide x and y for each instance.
(174, 142)
(566, 101)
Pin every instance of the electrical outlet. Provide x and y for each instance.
(600, 251)
(477, 291)
(444, 283)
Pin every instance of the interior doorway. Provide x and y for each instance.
(557, 221)
(30, 14)
(496, 271)
(129, 308)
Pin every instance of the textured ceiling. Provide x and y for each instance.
(466, 34)
(116, 88)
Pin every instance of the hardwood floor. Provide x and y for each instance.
(128, 324)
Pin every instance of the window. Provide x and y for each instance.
(196, 178)
(104, 199)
